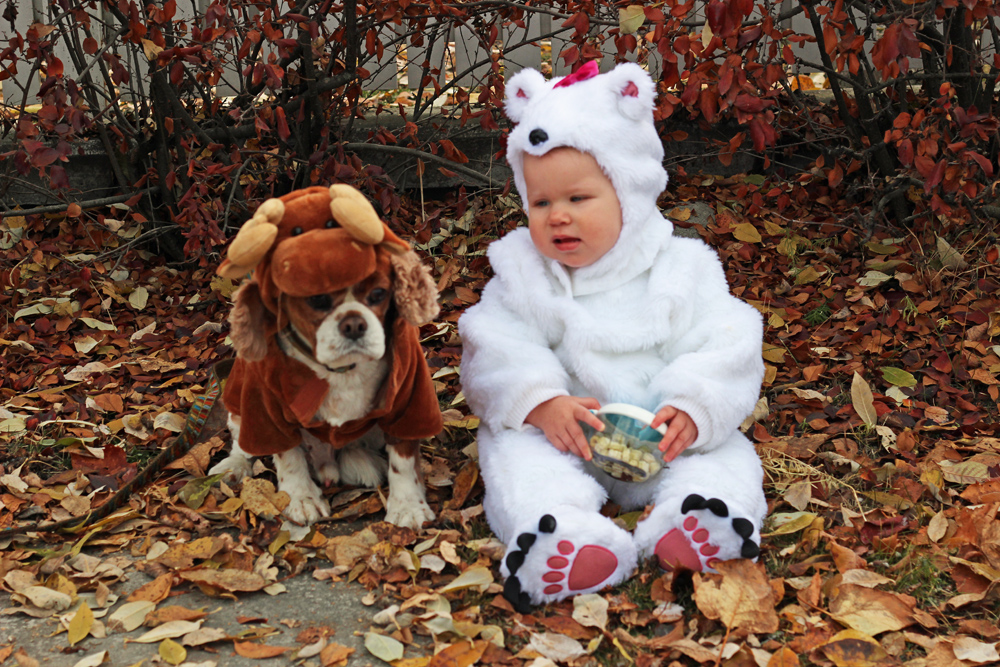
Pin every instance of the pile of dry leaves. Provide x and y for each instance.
(877, 425)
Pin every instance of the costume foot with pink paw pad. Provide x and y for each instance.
(706, 536)
(560, 567)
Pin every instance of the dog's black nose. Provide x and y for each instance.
(538, 136)
(353, 327)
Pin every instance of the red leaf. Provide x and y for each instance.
(283, 130)
(90, 46)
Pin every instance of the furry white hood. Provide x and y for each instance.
(609, 116)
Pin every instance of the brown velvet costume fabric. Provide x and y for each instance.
(276, 396)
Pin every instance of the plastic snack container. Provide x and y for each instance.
(627, 448)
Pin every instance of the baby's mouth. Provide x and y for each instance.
(565, 241)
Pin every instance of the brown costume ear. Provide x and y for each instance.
(248, 323)
(415, 291)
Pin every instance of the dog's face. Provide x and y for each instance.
(345, 326)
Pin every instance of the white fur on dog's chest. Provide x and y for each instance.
(352, 393)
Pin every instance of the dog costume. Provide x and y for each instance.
(651, 323)
(317, 241)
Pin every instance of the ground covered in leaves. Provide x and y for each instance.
(877, 425)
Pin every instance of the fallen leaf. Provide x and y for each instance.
(973, 650)
(382, 647)
(169, 630)
(257, 651)
(80, 625)
(740, 596)
(476, 576)
(747, 233)
(334, 655)
(155, 591)
(459, 654)
(172, 652)
(92, 660)
(557, 648)
(850, 648)
(872, 611)
(591, 610)
(861, 398)
(229, 579)
(130, 615)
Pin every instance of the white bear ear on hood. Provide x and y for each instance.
(634, 88)
(520, 89)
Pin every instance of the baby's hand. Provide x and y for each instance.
(559, 419)
(680, 435)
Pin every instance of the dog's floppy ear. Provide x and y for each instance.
(248, 322)
(415, 291)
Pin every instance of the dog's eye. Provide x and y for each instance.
(377, 296)
(320, 302)
(330, 224)
(296, 231)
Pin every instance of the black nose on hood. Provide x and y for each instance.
(538, 136)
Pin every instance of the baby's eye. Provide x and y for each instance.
(541, 202)
(578, 198)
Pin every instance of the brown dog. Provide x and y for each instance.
(329, 365)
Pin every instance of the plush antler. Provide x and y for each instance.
(354, 212)
(253, 240)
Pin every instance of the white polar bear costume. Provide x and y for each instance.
(651, 323)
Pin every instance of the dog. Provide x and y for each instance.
(329, 368)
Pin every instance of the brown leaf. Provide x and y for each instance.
(464, 482)
(851, 648)
(335, 655)
(172, 613)
(460, 654)
(183, 555)
(783, 657)
(228, 580)
(155, 591)
(740, 596)
(872, 611)
(260, 497)
(259, 651)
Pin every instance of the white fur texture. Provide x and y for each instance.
(407, 505)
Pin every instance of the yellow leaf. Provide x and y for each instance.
(150, 49)
(172, 652)
(861, 398)
(80, 625)
(476, 576)
(785, 523)
(773, 353)
(806, 276)
(850, 648)
(630, 19)
(746, 232)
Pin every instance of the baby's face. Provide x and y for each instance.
(573, 212)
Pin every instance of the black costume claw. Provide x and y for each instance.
(750, 550)
(525, 540)
(512, 593)
(515, 559)
(743, 527)
(717, 507)
(692, 502)
(547, 524)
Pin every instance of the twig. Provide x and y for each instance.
(465, 171)
(58, 208)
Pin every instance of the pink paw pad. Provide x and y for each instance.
(687, 549)
(592, 565)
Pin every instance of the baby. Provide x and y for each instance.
(597, 302)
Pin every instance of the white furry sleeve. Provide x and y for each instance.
(716, 368)
(507, 365)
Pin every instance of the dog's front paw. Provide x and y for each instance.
(234, 469)
(307, 504)
(408, 513)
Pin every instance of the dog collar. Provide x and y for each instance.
(293, 337)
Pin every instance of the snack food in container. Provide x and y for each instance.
(627, 448)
